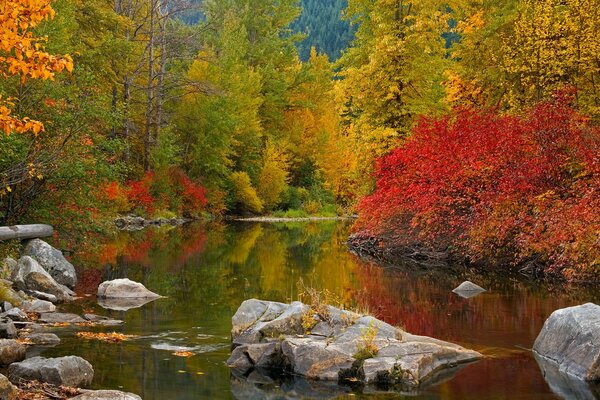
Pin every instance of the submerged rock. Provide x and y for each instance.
(468, 289)
(53, 261)
(564, 385)
(42, 338)
(570, 338)
(106, 395)
(31, 276)
(69, 371)
(43, 296)
(349, 347)
(124, 289)
(60, 318)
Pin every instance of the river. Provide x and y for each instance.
(207, 270)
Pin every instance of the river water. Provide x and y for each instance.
(206, 271)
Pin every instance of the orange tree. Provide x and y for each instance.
(22, 54)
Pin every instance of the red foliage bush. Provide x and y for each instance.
(524, 187)
(139, 193)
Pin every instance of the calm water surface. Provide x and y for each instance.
(206, 271)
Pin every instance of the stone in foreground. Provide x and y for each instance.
(124, 289)
(329, 345)
(53, 261)
(68, 371)
(42, 338)
(106, 395)
(468, 289)
(570, 339)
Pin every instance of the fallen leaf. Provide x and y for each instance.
(183, 354)
(105, 337)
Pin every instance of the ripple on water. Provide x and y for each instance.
(206, 348)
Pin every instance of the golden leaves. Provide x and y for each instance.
(113, 337)
(22, 55)
(183, 353)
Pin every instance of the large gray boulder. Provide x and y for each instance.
(124, 289)
(570, 338)
(11, 351)
(69, 371)
(29, 275)
(42, 338)
(53, 261)
(330, 344)
(60, 318)
(106, 395)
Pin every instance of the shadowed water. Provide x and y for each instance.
(206, 271)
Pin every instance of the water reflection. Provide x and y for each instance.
(206, 271)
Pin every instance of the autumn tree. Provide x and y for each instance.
(22, 54)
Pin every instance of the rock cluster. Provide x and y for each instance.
(330, 344)
(41, 278)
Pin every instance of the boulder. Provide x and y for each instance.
(8, 330)
(15, 314)
(347, 347)
(106, 395)
(53, 261)
(124, 289)
(102, 320)
(11, 351)
(60, 318)
(69, 371)
(31, 276)
(43, 296)
(38, 306)
(570, 338)
(468, 289)
(42, 338)
(7, 390)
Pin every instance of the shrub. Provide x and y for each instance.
(525, 187)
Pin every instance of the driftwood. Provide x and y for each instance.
(25, 231)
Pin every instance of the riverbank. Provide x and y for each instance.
(285, 219)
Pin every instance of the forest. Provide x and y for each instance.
(470, 126)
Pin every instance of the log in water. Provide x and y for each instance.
(25, 231)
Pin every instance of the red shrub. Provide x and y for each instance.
(139, 193)
(497, 185)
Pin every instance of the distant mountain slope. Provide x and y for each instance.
(322, 21)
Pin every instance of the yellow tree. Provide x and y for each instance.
(22, 54)
(555, 43)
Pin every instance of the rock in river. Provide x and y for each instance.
(124, 289)
(53, 261)
(570, 339)
(69, 371)
(468, 289)
(38, 306)
(348, 346)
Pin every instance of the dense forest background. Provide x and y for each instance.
(462, 125)
(323, 23)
